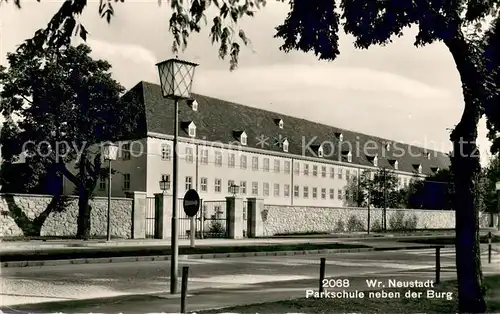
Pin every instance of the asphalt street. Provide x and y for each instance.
(254, 279)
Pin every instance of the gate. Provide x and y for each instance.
(185, 221)
(214, 219)
(150, 218)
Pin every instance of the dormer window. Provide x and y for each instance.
(285, 146)
(320, 151)
(373, 159)
(193, 104)
(387, 146)
(427, 155)
(435, 169)
(348, 155)
(241, 136)
(339, 136)
(418, 168)
(190, 127)
(279, 123)
(394, 163)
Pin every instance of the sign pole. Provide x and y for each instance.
(193, 230)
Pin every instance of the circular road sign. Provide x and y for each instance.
(191, 203)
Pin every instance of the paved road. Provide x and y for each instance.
(295, 273)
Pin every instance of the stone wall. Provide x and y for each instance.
(18, 211)
(282, 219)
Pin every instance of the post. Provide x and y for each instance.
(489, 247)
(438, 264)
(185, 273)
(193, 230)
(385, 204)
(175, 249)
(498, 205)
(322, 267)
(108, 231)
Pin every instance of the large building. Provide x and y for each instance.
(282, 159)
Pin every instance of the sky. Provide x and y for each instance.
(398, 91)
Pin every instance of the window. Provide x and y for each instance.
(347, 195)
(296, 168)
(243, 138)
(280, 124)
(266, 189)
(347, 174)
(375, 161)
(204, 156)
(217, 185)
(315, 171)
(323, 193)
(323, 171)
(339, 194)
(286, 190)
(306, 169)
(255, 163)
(349, 157)
(192, 130)
(296, 192)
(340, 173)
(166, 178)
(320, 151)
(306, 192)
(102, 182)
(126, 151)
(255, 188)
(126, 181)
(243, 162)
(332, 194)
(231, 160)
(230, 183)
(396, 165)
(287, 167)
(165, 152)
(285, 146)
(189, 183)
(315, 192)
(243, 187)
(276, 189)
(204, 183)
(266, 164)
(332, 172)
(276, 165)
(189, 155)
(218, 159)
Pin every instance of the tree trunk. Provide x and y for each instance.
(83, 220)
(464, 166)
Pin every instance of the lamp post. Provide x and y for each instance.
(176, 79)
(163, 185)
(497, 186)
(110, 152)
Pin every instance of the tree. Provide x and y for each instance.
(381, 191)
(313, 26)
(67, 103)
(434, 192)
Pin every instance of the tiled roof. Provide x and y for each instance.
(219, 120)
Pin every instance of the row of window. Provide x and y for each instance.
(243, 164)
(125, 186)
(254, 188)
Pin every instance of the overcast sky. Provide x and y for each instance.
(398, 92)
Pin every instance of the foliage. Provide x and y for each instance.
(492, 175)
(354, 224)
(381, 190)
(339, 227)
(376, 226)
(67, 103)
(399, 222)
(216, 230)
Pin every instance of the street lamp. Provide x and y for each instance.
(176, 79)
(234, 189)
(163, 185)
(110, 152)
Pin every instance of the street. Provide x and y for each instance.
(282, 276)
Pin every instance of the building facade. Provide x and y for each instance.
(284, 160)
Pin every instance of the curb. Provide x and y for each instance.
(128, 259)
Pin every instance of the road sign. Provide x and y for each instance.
(191, 203)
